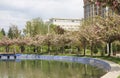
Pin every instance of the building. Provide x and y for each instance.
(67, 24)
(91, 9)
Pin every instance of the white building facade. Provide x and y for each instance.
(67, 24)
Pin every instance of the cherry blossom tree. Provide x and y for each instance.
(5, 41)
(110, 30)
(37, 42)
(48, 41)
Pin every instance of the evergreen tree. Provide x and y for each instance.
(10, 34)
(14, 32)
(3, 32)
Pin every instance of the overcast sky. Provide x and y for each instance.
(19, 11)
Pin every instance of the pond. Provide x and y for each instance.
(47, 69)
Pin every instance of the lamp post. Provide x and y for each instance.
(48, 28)
(49, 23)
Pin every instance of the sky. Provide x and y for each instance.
(17, 12)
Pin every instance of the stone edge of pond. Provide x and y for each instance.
(114, 71)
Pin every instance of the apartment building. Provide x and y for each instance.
(66, 24)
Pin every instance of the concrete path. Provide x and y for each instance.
(114, 72)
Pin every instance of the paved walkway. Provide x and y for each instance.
(114, 72)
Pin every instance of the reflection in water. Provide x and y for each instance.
(47, 69)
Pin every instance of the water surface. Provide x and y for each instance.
(47, 69)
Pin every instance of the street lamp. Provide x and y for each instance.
(49, 23)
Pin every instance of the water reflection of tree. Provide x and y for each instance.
(44, 69)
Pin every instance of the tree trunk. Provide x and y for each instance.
(78, 50)
(48, 49)
(14, 50)
(91, 49)
(30, 48)
(103, 52)
(57, 50)
(41, 49)
(84, 49)
(7, 48)
(63, 49)
(109, 45)
(34, 49)
(22, 48)
(71, 50)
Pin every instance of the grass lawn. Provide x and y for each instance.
(113, 59)
(119, 77)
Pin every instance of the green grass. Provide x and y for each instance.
(113, 59)
(119, 77)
